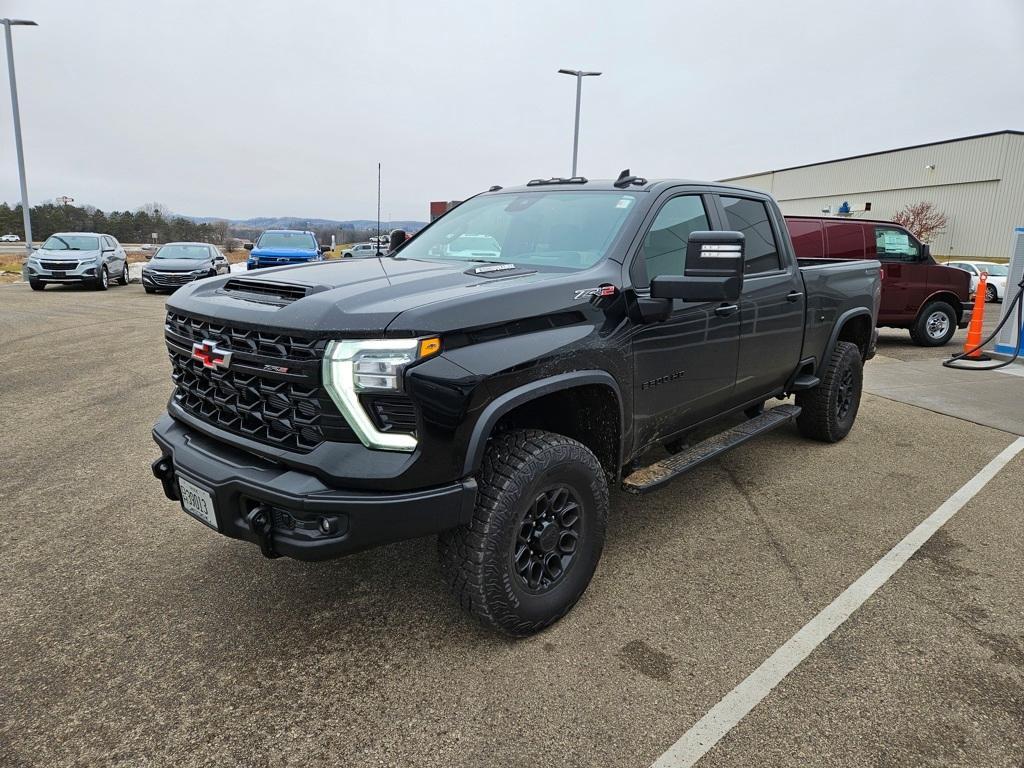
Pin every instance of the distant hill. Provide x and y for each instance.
(296, 222)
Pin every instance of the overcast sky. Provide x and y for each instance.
(263, 107)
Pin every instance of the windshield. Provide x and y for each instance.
(71, 243)
(183, 252)
(561, 230)
(994, 270)
(294, 240)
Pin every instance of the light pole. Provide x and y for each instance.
(8, 23)
(579, 75)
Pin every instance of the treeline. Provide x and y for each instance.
(139, 225)
(127, 226)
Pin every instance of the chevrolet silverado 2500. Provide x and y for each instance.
(492, 399)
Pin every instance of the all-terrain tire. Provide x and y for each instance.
(520, 472)
(829, 410)
(935, 325)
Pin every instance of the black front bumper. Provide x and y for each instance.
(297, 508)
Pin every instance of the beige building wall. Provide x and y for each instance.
(978, 182)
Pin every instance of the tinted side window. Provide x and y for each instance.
(664, 248)
(760, 252)
(893, 244)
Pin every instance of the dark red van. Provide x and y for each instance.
(930, 300)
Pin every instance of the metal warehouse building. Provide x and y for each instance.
(977, 181)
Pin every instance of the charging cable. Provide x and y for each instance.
(1017, 300)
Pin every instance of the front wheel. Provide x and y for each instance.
(935, 325)
(991, 294)
(123, 279)
(536, 534)
(103, 281)
(829, 410)
(36, 285)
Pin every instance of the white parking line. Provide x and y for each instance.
(721, 719)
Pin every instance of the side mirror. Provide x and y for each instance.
(248, 246)
(713, 270)
(926, 252)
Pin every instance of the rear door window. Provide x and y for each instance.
(760, 251)
(895, 244)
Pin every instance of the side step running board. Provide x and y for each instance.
(660, 473)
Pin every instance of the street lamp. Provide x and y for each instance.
(579, 75)
(8, 23)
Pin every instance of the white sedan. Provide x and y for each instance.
(997, 274)
(9, 239)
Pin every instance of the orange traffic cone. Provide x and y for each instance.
(972, 346)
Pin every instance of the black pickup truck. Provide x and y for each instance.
(490, 379)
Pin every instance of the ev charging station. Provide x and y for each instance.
(1008, 341)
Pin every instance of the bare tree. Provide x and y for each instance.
(923, 219)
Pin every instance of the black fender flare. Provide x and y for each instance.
(837, 328)
(507, 401)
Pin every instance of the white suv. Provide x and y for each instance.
(78, 257)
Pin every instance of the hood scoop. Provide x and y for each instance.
(498, 270)
(265, 291)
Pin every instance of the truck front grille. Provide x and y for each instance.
(243, 340)
(271, 392)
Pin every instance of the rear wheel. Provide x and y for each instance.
(935, 325)
(991, 294)
(829, 410)
(536, 535)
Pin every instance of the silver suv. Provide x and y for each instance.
(78, 257)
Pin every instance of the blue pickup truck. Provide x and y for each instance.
(278, 247)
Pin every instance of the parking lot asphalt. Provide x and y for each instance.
(132, 635)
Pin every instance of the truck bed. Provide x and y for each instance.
(834, 288)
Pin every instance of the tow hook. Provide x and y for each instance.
(163, 470)
(261, 523)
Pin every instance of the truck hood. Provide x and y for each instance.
(366, 297)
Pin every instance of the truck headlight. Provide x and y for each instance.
(372, 365)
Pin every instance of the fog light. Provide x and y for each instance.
(325, 525)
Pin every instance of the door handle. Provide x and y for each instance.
(793, 295)
(727, 309)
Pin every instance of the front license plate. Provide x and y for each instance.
(197, 502)
(58, 273)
